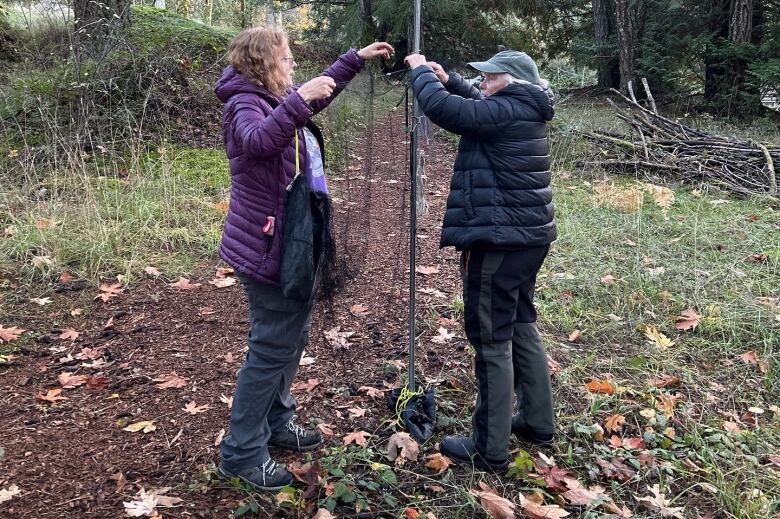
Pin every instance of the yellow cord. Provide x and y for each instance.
(403, 400)
(297, 159)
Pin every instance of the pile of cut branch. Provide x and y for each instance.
(658, 145)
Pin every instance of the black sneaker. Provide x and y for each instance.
(269, 476)
(461, 450)
(528, 435)
(295, 437)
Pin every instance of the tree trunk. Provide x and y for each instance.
(741, 26)
(604, 29)
(626, 32)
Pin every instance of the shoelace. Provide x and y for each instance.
(268, 468)
(296, 429)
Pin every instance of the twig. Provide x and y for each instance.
(649, 95)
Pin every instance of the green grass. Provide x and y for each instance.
(160, 210)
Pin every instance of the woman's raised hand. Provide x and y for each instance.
(439, 71)
(375, 50)
(320, 87)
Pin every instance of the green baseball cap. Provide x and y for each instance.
(518, 64)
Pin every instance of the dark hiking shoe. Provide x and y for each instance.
(295, 437)
(528, 435)
(269, 476)
(461, 450)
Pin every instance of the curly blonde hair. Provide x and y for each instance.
(257, 53)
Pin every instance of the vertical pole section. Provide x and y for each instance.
(413, 218)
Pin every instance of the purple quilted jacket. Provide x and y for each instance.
(259, 134)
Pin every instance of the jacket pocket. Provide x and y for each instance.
(467, 207)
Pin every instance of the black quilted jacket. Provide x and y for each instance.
(500, 195)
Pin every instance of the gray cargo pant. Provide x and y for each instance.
(498, 292)
(262, 404)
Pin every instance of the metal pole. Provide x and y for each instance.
(413, 207)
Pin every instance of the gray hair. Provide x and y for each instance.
(510, 79)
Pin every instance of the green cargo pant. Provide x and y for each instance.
(498, 291)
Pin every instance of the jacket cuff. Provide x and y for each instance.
(300, 110)
(354, 59)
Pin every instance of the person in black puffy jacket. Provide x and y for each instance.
(500, 214)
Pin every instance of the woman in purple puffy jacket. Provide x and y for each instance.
(265, 121)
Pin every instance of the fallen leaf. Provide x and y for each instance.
(657, 338)
(665, 381)
(616, 469)
(222, 206)
(228, 401)
(6, 494)
(576, 334)
(68, 334)
(70, 381)
(615, 423)
(120, 479)
(402, 447)
(496, 506)
(323, 513)
(752, 358)
(143, 505)
(372, 391)
(170, 381)
(444, 336)
(357, 412)
(98, 382)
(89, 353)
(42, 301)
(223, 282)
(307, 386)
(357, 437)
(220, 436)
(757, 258)
(667, 403)
(427, 271)
(76, 312)
(634, 443)
(183, 284)
(731, 428)
(223, 272)
(609, 279)
(359, 310)
(658, 503)
(578, 495)
(66, 277)
(553, 365)
(411, 513)
(285, 496)
(337, 338)
(10, 334)
(146, 426)
(40, 262)
(687, 320)
(554, 477)
(193, 408)
(109, 291)
(52, 395)
(151, 271)
(306, 360)
(325, 429)
(600, 386)
(438, 462)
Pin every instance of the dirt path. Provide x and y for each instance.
(72, 458)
